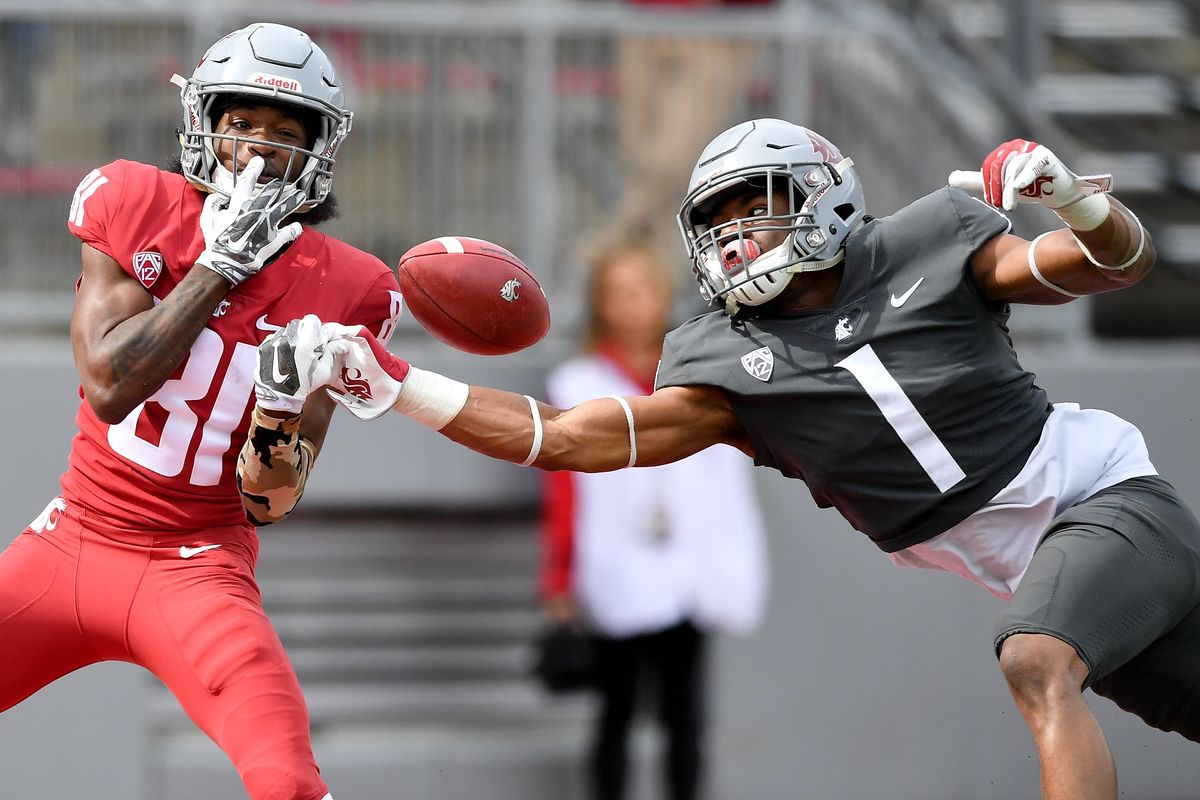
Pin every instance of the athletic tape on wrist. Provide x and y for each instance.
(535, 448)
(273, 467)
(632, 435)
(289, 425)
(431, 399)
(1033, 267)
(1086, 213)
(1129, 262)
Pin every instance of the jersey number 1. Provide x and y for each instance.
(904, 418)
(169, 456)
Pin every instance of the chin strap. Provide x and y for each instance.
(732, 305)
(817, 266)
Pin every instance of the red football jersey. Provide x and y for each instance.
(170, 465)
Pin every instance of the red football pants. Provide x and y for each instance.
(77, 592)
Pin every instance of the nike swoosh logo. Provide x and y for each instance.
(902, 299)
(262, 324)
(278, 376)
(188, 552)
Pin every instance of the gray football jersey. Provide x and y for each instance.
(904, 406)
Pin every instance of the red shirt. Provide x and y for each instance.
(170, 465)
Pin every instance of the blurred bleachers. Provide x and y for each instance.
(1120, 79)
(501, 119)
(409, 629)
(405, 618)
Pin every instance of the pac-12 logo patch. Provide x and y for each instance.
(759, 363)
(147, 266)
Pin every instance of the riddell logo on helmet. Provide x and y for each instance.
(275, 81)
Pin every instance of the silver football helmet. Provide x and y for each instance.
(281, 65)
(825, 202)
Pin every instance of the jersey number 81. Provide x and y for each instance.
(169, 457)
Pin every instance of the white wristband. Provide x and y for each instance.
(1037, 273)
(536, 447)
(1087, 213)
(632, 435)
(1129, 261)
(431, 399)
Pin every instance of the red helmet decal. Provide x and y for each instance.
(824, 147)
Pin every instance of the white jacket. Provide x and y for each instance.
(654, 546)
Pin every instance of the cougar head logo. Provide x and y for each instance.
(1036, 189)
(508, 292)
(355, 385)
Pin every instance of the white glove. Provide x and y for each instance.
(241, 232)
(366, 379)
(1021, 171)
(291, 363)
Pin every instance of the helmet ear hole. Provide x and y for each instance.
(845, 211)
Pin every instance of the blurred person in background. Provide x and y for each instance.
(674, 94)
(148, 554)
(632, 555)
(871, 359)
(24, 47)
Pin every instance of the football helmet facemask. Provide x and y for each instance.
(283, 67)
(824, 203)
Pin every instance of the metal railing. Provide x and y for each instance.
(510, 121)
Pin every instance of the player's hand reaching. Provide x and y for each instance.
(292, 362)
(366, 378)
(242, 232)
(1021, 171)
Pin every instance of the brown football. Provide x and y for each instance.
(473, 295)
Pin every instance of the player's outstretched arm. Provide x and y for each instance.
(599, 435)
(1103, 248)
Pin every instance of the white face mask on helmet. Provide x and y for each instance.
(825, 202)
(276, 64)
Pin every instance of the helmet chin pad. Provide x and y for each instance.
(764, 278)
(757, 280)
(222, 179)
